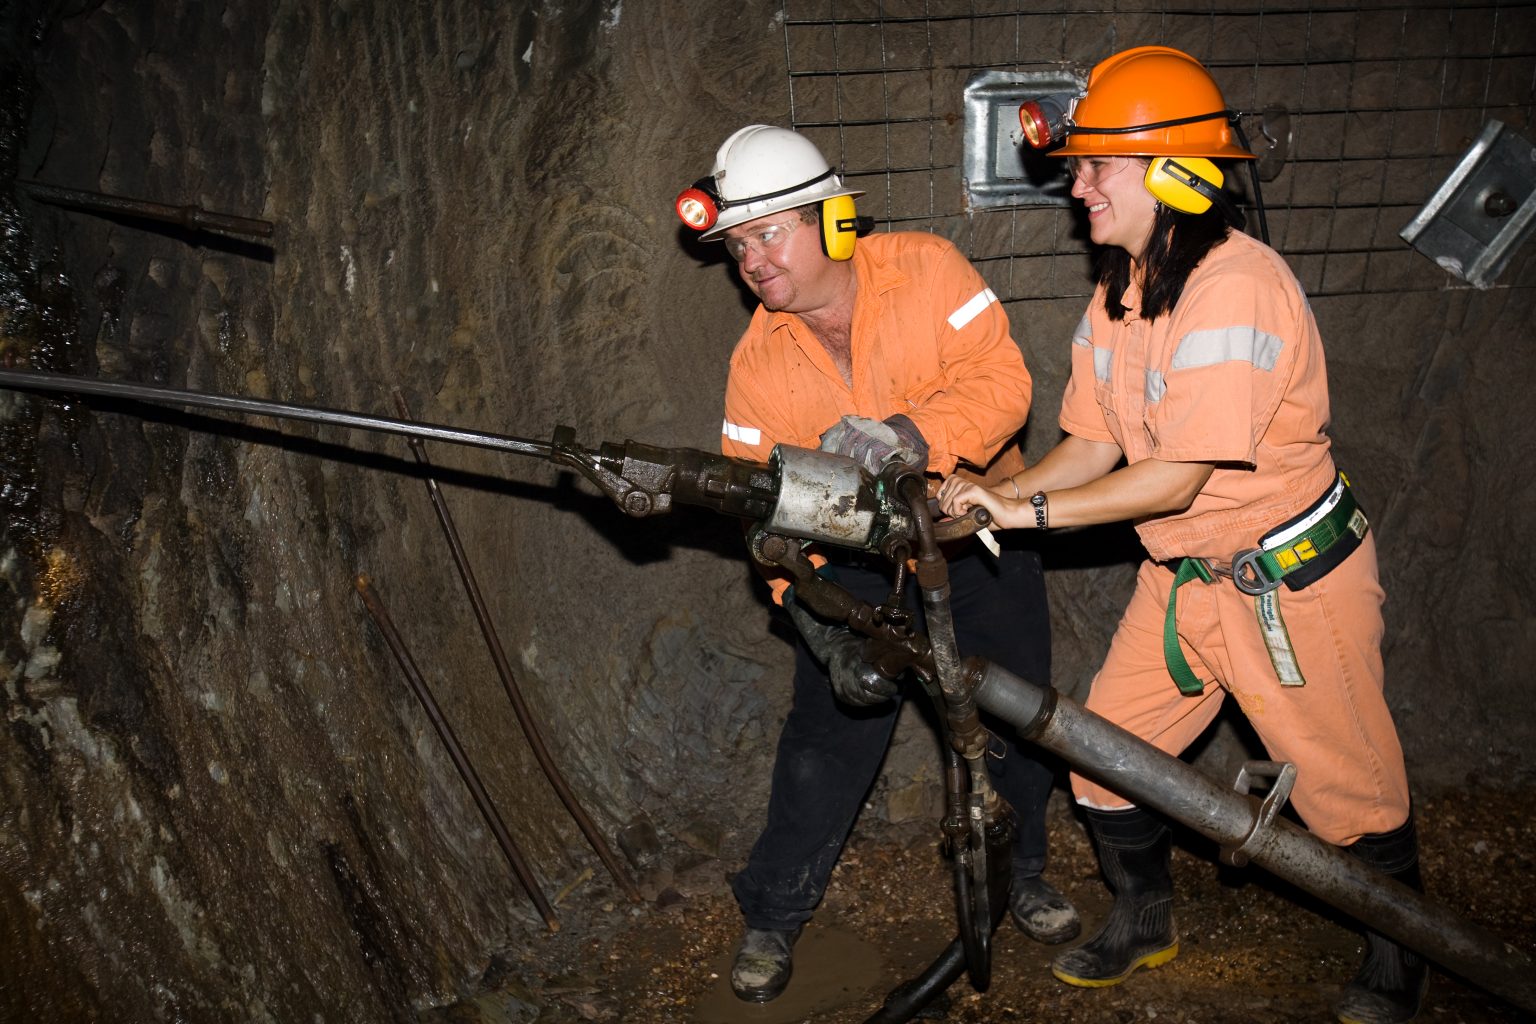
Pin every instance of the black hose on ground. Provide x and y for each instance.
(908, 998)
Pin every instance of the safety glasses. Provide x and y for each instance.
(1093, 170)
(762, 241)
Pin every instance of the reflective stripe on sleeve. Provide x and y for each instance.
(972, 309)
(740, 434)
(1209, 348)
(1225, 344)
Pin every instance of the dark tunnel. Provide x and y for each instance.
(282, 746)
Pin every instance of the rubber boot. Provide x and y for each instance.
(1391, 983)
(1134, 851)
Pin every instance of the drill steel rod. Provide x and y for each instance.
(193, 217)
(1151, 778)
(525, 716)
(33, 380)
(456, 752)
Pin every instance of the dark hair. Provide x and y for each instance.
(1179, 241)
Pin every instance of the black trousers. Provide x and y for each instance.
(829, 753)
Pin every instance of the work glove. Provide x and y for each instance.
(854, 680)
(875, 444)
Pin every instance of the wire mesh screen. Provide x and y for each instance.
(1381, 101)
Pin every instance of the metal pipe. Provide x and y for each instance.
(456, 751)
(525, 715)
(1151, 778)
(192, 217)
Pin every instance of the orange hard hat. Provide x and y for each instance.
(1133, 96)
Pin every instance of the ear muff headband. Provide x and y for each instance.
(1188, 184)
(839, 227)
(699, 207)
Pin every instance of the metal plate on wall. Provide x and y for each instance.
(1000, 168)
(1482, 212)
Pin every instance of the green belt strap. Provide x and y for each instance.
(1178, 666)
(1317, 540)
(1344, 518)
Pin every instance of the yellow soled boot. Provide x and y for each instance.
(1134, 853)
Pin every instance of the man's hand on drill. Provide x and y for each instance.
(876, 443)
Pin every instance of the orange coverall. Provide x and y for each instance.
(929, 340)
(941, 353)
(1235, 376)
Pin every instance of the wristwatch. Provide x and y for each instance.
(1037, 501)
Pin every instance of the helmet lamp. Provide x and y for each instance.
(1047, 119)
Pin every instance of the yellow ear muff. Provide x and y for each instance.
(839, 227)
(1188, 184)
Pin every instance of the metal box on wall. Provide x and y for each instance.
(1000, 170)
(1482, 212)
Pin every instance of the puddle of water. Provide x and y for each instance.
(832, 969)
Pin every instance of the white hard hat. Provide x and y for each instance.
(762, 169)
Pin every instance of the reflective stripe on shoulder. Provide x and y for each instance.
(1227, 344)
(740, 434)
(972, 309)
(1082, 335)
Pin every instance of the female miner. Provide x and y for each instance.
(1199, 365)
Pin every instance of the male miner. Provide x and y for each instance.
(884, 347)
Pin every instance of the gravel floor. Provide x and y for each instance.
(1252, 949)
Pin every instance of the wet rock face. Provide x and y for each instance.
(220, 799)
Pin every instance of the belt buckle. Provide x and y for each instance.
(1214, 569)
(1248, 573)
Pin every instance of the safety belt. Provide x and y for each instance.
(1298, 552)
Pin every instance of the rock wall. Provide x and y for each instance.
(221, 801)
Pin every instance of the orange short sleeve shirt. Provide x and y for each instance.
(1235, 375)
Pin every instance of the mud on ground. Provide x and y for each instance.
(1254, 951)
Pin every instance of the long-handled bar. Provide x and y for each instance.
(456, 752)
(193, 217)
(38, 380)
(525, 716)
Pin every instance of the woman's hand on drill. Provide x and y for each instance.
(958, 496)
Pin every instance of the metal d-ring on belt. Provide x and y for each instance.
(1298, 553)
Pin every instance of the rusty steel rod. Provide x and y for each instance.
(193, 217)
(525, 716)
(455, 751)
